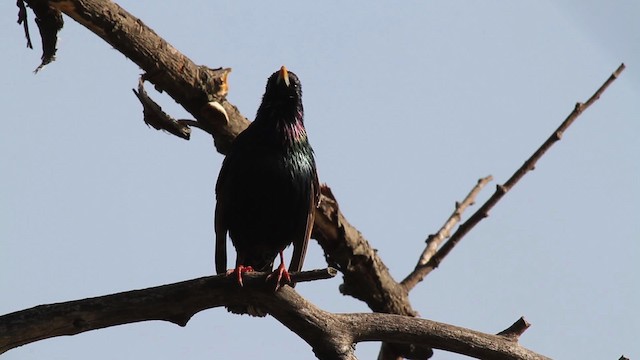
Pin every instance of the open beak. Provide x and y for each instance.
(284, 75)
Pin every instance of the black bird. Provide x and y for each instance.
(268, 189)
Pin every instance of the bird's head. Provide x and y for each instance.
(283, 85)
(282, 101)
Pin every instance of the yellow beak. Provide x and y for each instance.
(284, 75)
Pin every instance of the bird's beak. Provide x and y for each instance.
(284, 75)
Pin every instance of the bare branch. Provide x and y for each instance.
(434, 241)
(331, 336)
(501, 190)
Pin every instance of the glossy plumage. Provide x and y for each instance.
(267, 190)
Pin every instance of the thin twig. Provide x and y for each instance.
(435, 240)
(312, 275)
(501, 190)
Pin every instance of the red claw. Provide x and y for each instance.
(281, 272)
(238, 271)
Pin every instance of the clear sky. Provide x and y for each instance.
(407, 105)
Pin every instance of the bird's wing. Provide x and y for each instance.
(221, 239)
(300, 243)
(220, 221)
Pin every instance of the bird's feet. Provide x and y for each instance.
(238, 271)
(280, 274)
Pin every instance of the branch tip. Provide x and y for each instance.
(516, 329)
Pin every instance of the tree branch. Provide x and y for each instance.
(392, 328)
(331, 336)
(175, 303)
(434, 241)
(365, 276)
(364, 273)
(154, 116)
(501, 190)
(199, 89)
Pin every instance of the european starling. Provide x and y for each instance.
(268, 190)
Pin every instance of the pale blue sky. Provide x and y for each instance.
(407, 105)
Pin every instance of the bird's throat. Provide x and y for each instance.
(294, 132)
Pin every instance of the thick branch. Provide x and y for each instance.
(175, 303)
(501, 190)
(364, 273)
(192, 86)
(330, 335)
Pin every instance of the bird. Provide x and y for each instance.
(267, 189)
